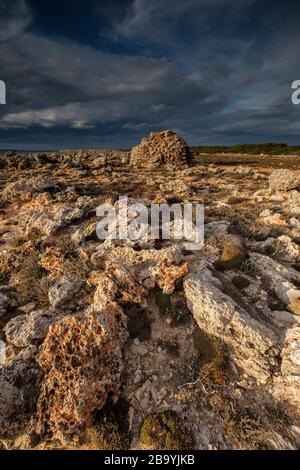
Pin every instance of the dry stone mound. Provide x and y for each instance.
(161, 148)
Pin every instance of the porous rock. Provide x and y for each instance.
(81, 364)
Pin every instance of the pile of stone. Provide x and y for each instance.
(161, 148)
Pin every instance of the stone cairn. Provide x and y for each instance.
(161, 148)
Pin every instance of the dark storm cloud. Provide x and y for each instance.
(215, 71)
(15, 17)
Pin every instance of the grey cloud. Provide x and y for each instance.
(88, 86)
(15, 17)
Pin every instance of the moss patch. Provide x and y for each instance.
(213, 358)
(163, 301)
(165, 431)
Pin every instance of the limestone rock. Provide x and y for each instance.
(161, 148)
(288, 385)
(63, 290)
(280, 279)
(18, 392)
(293, 199)
(23, 189)
(167, 276)
(253, 346)
(50, 219)
(2, 352)
(117, 281)
(24, 330)
(283, 180)
(234, 252)
(81, 363)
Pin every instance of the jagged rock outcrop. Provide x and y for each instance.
(25, 330)
(161, 148)
(24, 189)
(280, 279)
(254, 347)
(118, 281)
(50, 219)
(288, 384)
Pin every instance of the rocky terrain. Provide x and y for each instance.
(143, 344)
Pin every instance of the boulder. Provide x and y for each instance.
(81, 364)
(253, 346)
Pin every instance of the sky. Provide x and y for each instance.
(105, 73)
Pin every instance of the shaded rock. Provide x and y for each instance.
(161, 148)
(216, 228)
(285, 318)
(63, 290)
(241, 282)
(24, 330)
(4, 300)
(18, 392)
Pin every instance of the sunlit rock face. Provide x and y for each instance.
(161, 148)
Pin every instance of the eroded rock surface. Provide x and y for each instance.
(161, 148)
(81, 363)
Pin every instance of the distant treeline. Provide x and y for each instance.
(270, 149)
